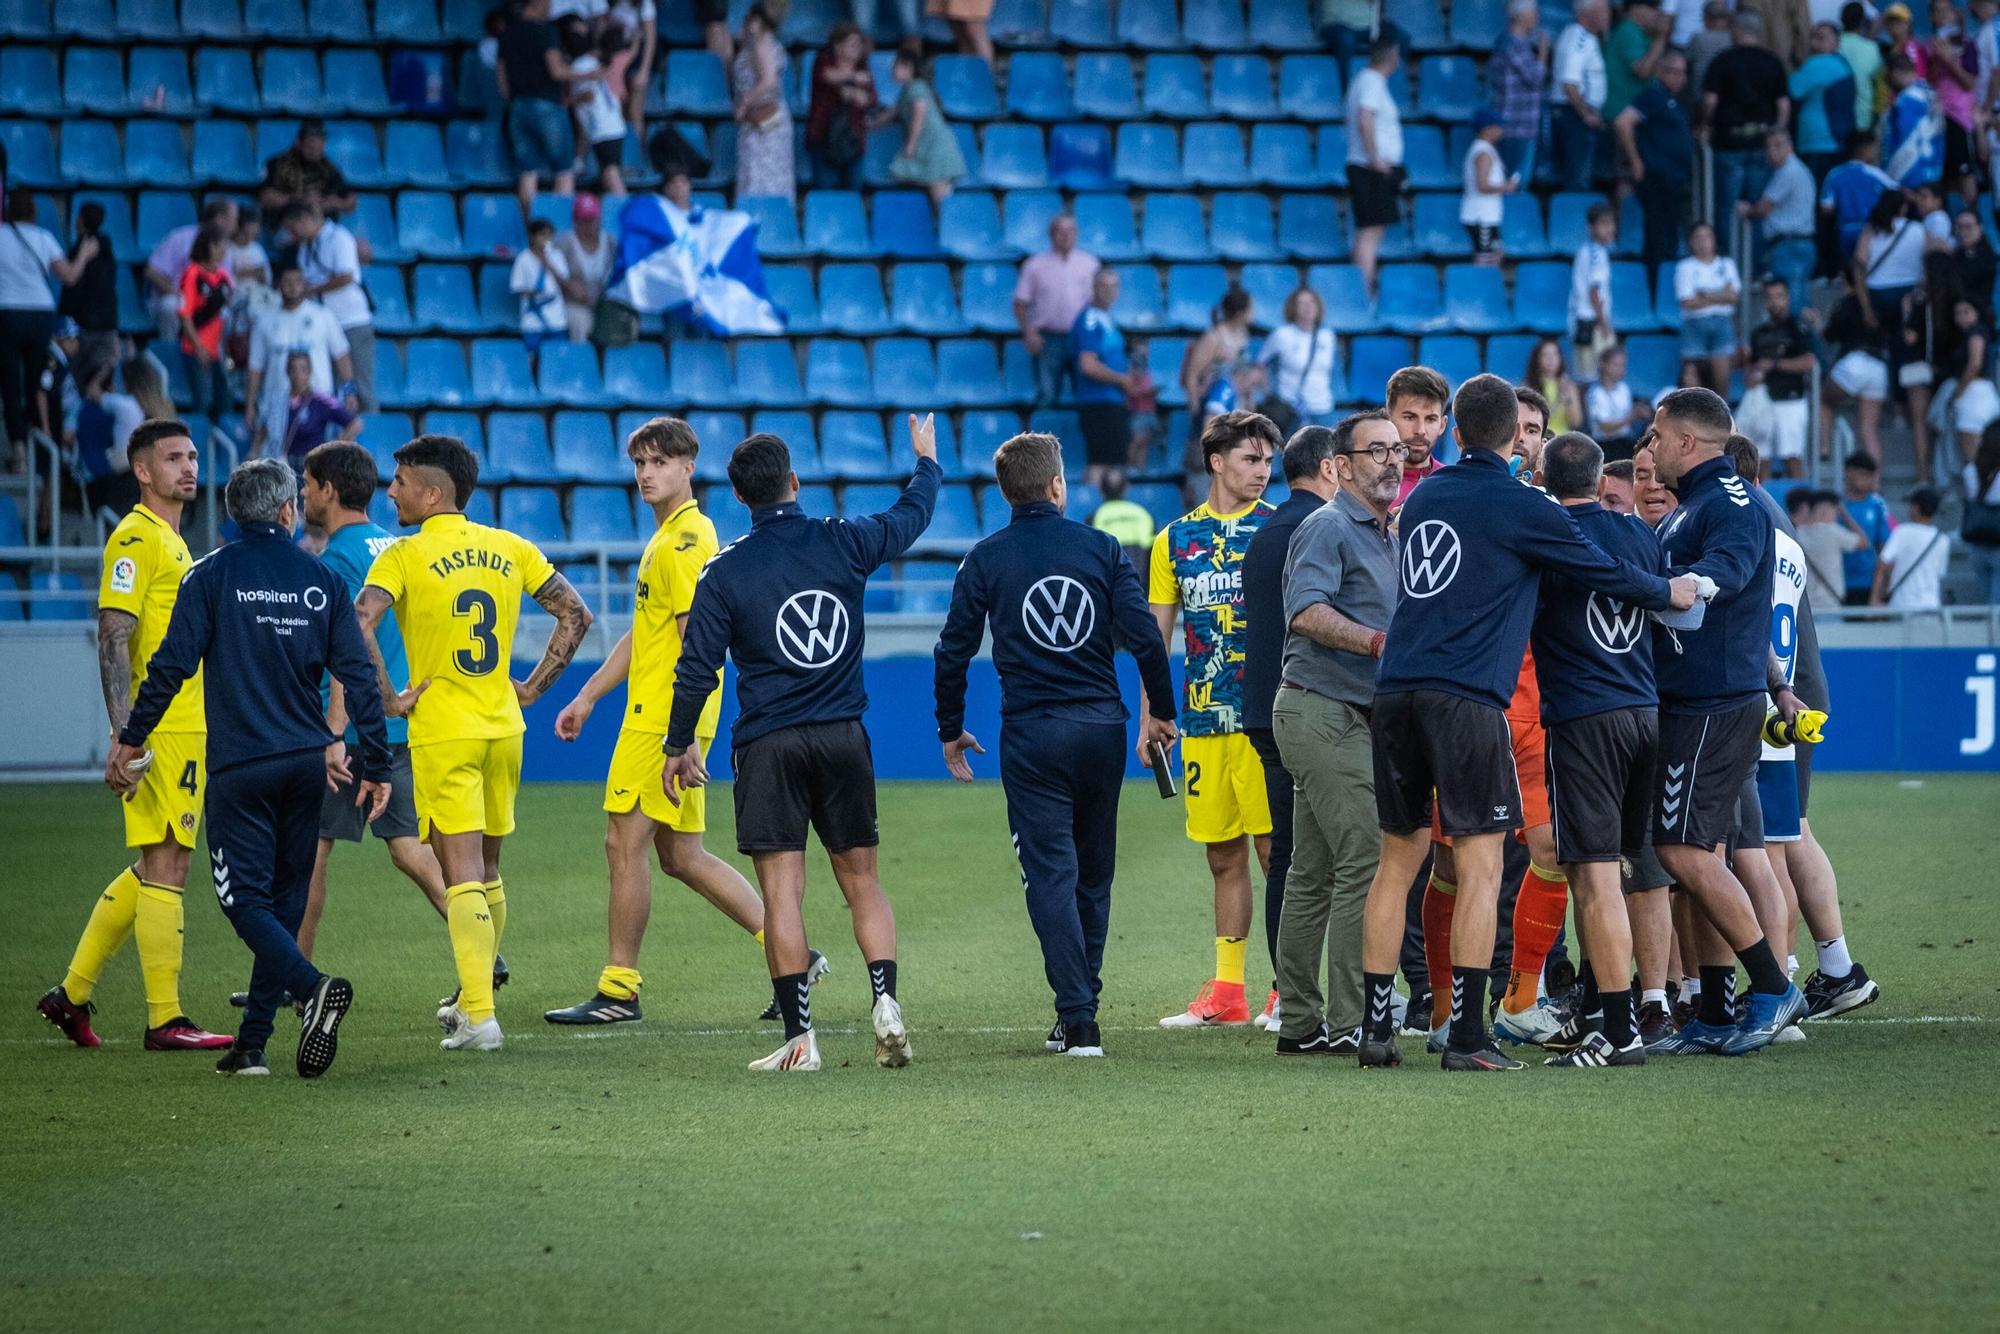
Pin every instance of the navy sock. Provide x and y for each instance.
(1468, 1018)
(882, 977)
(794, 996)
(1378, 1024)
(1717, 982)
(1618, 1018)
(1767, 975)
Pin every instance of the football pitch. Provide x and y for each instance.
(639, 1177)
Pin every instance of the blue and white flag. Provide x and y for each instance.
(703, 263)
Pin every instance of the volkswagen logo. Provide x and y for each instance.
(1058, 614)
(1615, 626)
(812, 629)
(1430, 559)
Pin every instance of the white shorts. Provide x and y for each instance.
(1862, 376)
(1788, 429)
(1976, 406)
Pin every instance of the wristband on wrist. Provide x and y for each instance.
(1375, 642)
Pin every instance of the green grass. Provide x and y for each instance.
(642, 1178)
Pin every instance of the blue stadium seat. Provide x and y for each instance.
(1450, 88)
(1174, 229)
(850, 299)
(1151, 26)
(1453, 356)
(922, 300)
(384, 285)
(335, 21)
(870, 498)
(427, 224)
(1080, 156)
(1429, 165)
(1344, 295)
(905, 372)
(1522, 235)
(517, 449)
(1424, 26)
(352, 144)
(1028, 214)
(222, 154)
(1163, 359)
(903, 224)
(1475, 299)
(1017, 375)
(852, 446)
(481, 509)
(436, 372)
(24, 18)
(1013, 157)
(1541, 296)
(695, 84)
(1240, 225)
(476, 153)
(808, 22)
(635, 373)
(1372, 359)
(1666, 302)
(988, 296)
(413, 22)
(117, 226)
(778, 226)
(955, 523)
(218, 19)
(1021, 23)
(354, 83)
(1212, 154)
(964, 86)
(275, 134)
(1477, 24)
(1269, 287)
(1192, 291)
(1161, 500)
(983, 432)
(1309, 88)
(1330, 157)
(1242, 87)
(969, 373)
(1438, 232)
(567, 372)
(1282, 155)
(493, 225)
(836, 225)
(90, 20)
(601, 514)
(284, 20)
(500, 373)
(159, 81)
(1215, 25)
(414, 152)
(159, 213)
(837, 373)
(94, 80)
(1105, 227)
(224, 80)
(1631, 227)
(58, 609)
(801, 437)
(133, 316)
(767, 374)
(1106, 87)
(499, 310)
(1653, 364)
(969, 227)
(699, 371)
(1175, 87)
(791, 289)
(719, 434)
(1085, 23)
(535, 512)
(1141, 304)
(1632, 296)
(1309, 228)
(382, 434)
(155, 153)
(151, 19)
(1569, 227)
(1282, 25)
(90, 153)
(389, 390)
(585, 451)
(292, 83)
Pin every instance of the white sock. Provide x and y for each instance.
(1690, 988)
(1833, 958)
(1791, 964)
(1654, 996)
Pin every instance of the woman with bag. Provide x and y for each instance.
(1981, 530)
(1298, 355)
(764, 121)
(843, 95)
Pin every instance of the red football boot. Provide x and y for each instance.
(71, 1018)
(180, 1034)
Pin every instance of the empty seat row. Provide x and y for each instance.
(97, 80)
(404, 21)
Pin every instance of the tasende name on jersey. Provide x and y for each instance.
(472, 558)
(1212, 588)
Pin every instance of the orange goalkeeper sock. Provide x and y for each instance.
(1539, 910)
(1440, 903)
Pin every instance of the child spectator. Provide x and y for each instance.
(1826, 534)
(540, 279)
(1707, 285)
(1862, 499)
(1615, 416)
(310, 415)
(930, 155)
(205, 292)
(1909, 576)
(1486, 183)
(1592, 327)
(597, 92)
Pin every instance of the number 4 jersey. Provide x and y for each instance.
(457, 586)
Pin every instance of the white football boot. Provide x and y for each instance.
(892, 1044)
(469, 1036)
(799, 1053)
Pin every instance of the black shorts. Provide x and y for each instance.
(1704, 761)
(817, 774)
(711, 11)
(1485, 237)
(1107, 433)
(1958, 155)
(1427, 740)
(609, 153)
(1642, 871)
(1601, 784)
(1373, 195)
(1747, 829)
(340, 819)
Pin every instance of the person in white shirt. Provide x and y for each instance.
(1486, 183)
(1909, 572)
(1576, 95)
(1590, 315)
(541, 280)
(294, 325)
(597, 91)
(1614, 416)
(330, 261)
(1374, 154)
(1299, 358)
(589, 252)
(29, 254)
(1707, 287)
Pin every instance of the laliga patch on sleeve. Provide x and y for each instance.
(123, 575)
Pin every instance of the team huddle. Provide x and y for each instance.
(1385, 677)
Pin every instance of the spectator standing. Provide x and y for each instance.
(843, 95)
(1745, 95)
(1486, 181)
(1984, 51)
(1909, 575)
(540, 281)
(1962, 368)
(28, 255)
(598, 86)
(1299, 356)
(1861, 374)
(1126, 520)
(1576, 96)
(1781, 357)
(1102, 381)
(1548, 376)
(311, 417)
(1895, 36)
(1787, 26)
(1519, 72)
(968, 20)
(764, 163)
(1973, 259)
(639, 19)
(1912, 127)
(1614, 413)
(589, 252)
(1946, 57)
(1050, 293)
(1848, 194)
(1632, 52)
(1864, 57)
(1826, 535)
(170, 257)
(1861, 497)
(1784, 216)
(303, 174)
(1658, 145)
(1888, 266)
(1210, 359)
(1375, 154)
(92, 300)
(930, 155)
(205, 293)
(1142, 400)
(330, 260)
(293, 325)
(1981, 479)
(1707, 286)
(534, 78)
(1350, 28)
(1711, 41)
(1822, 93)
(1592, 327)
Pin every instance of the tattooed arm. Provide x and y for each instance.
(369, 609)
(114, 663)
(573, 619)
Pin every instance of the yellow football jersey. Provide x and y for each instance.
(144, 563)
(667, 575)
(457, 586)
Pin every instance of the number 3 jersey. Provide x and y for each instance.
(457, 586)
(1198, 565)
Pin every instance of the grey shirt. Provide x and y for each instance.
(1343, 556)
(1791, 194)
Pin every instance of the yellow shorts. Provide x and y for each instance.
(636, 766)
(168, 802)
(1224, 785)
(468, 786)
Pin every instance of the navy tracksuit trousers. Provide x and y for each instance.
(1062, 780)
(263, 832)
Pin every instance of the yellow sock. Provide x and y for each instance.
(471, 925)
(104, 935)
(496, 904)
(620, 983)
(1229, 959)
(759, 938)
(160, 928)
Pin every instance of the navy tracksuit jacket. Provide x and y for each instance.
(268, 621)
(1720, 531)
(1061, 600)
(1594, 653)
